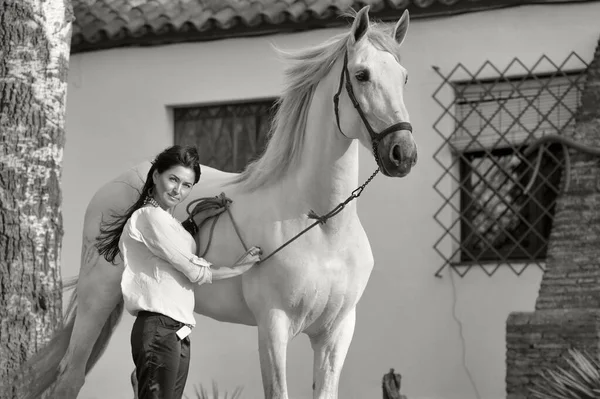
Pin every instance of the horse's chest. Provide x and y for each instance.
(320, 283)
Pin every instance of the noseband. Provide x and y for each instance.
(375, 138)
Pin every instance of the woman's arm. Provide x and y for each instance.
(221, 273)
(244, 263)
(159, 232)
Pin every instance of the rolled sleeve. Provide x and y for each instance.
(205, 276)
(158, 231)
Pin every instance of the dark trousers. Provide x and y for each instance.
(161, 359)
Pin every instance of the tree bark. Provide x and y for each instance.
(34, 58)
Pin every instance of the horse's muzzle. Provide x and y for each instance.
(397, 153)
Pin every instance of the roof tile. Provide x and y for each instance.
(102, 24)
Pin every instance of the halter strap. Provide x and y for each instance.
(336, 97)
(375, 138)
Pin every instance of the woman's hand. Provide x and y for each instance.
(251, 257)
(243, 264)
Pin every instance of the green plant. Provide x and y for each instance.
(202, 393)
(579, 379)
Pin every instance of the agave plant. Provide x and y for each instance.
(579, 379)
(202, 393)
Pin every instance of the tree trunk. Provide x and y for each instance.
(34, 59)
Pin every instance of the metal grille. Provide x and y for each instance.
(228, 136)
(498, 203)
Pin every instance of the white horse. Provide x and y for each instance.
(339, 94)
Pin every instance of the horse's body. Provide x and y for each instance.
(311, 286)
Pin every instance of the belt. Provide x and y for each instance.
(147, 313)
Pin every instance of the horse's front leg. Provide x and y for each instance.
(330, 349)
(273, 338)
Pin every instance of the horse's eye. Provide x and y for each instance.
(362, 75)
(406, 80)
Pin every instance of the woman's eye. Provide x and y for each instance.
(362, 76)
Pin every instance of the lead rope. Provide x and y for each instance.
(223, 201)
(323, 219)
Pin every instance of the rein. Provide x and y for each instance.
(206, 203)
(223, 201)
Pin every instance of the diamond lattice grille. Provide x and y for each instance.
(498, 204)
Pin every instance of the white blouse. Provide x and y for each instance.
(161, 268)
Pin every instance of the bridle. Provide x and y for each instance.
(375, 138)
(223, 201)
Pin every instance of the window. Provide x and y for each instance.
(502, 219)
(227, 136)
(498, 209)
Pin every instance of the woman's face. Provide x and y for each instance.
(172, 186)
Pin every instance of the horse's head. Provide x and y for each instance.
(369, 103)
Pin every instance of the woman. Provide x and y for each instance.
(161, 271)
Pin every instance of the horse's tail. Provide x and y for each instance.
(105, 334)
(44, 368)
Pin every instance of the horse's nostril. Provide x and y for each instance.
(396, 154)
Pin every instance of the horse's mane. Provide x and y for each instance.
(307, 67)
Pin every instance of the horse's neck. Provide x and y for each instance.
(328, 171)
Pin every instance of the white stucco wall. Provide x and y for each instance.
(408, 319)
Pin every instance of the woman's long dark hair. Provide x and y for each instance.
(107, 242)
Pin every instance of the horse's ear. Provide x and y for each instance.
(360, 24)
(401, 27)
